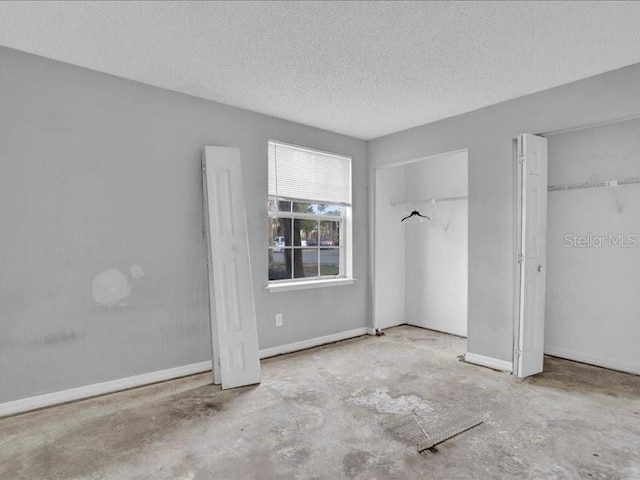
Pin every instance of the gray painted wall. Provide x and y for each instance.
(99, 174)
(593, 306)
(489, 133)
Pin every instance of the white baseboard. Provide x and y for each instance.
(87, 391)
(596, 360)
(490, 362)
(371, 331)
(313, 342)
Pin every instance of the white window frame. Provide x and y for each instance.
(345, 219)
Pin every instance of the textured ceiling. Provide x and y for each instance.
(364, 69)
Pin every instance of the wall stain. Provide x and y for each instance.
(58, 338)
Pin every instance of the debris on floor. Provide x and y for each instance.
(425, 429)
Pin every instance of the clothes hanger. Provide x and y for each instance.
(415, 213)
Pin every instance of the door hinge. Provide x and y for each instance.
(520, 258)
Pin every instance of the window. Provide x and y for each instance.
(309, 208)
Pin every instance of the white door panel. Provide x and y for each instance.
(233, 325)
(531, 239)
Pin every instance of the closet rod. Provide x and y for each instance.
(604, 183)
(430, 200)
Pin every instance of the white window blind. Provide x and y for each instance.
(309, 175)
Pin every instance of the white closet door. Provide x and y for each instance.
(233, 319)
(532, 242)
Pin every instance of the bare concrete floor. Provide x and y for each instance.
(317, 414)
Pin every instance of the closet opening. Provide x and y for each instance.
(593, 246)
(580, 289)
(421, 243)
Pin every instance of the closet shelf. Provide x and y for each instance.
(395, 203)
(603, 183)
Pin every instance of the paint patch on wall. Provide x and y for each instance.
(136, 271)
(110, 287)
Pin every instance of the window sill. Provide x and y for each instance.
(305, 285)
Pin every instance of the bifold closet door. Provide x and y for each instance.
(234, 332)
(531, 238)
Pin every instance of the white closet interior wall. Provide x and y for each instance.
(593, 306)
(437, 251)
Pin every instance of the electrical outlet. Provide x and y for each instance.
(278, 319)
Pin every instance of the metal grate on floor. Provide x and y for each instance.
(425, 429)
